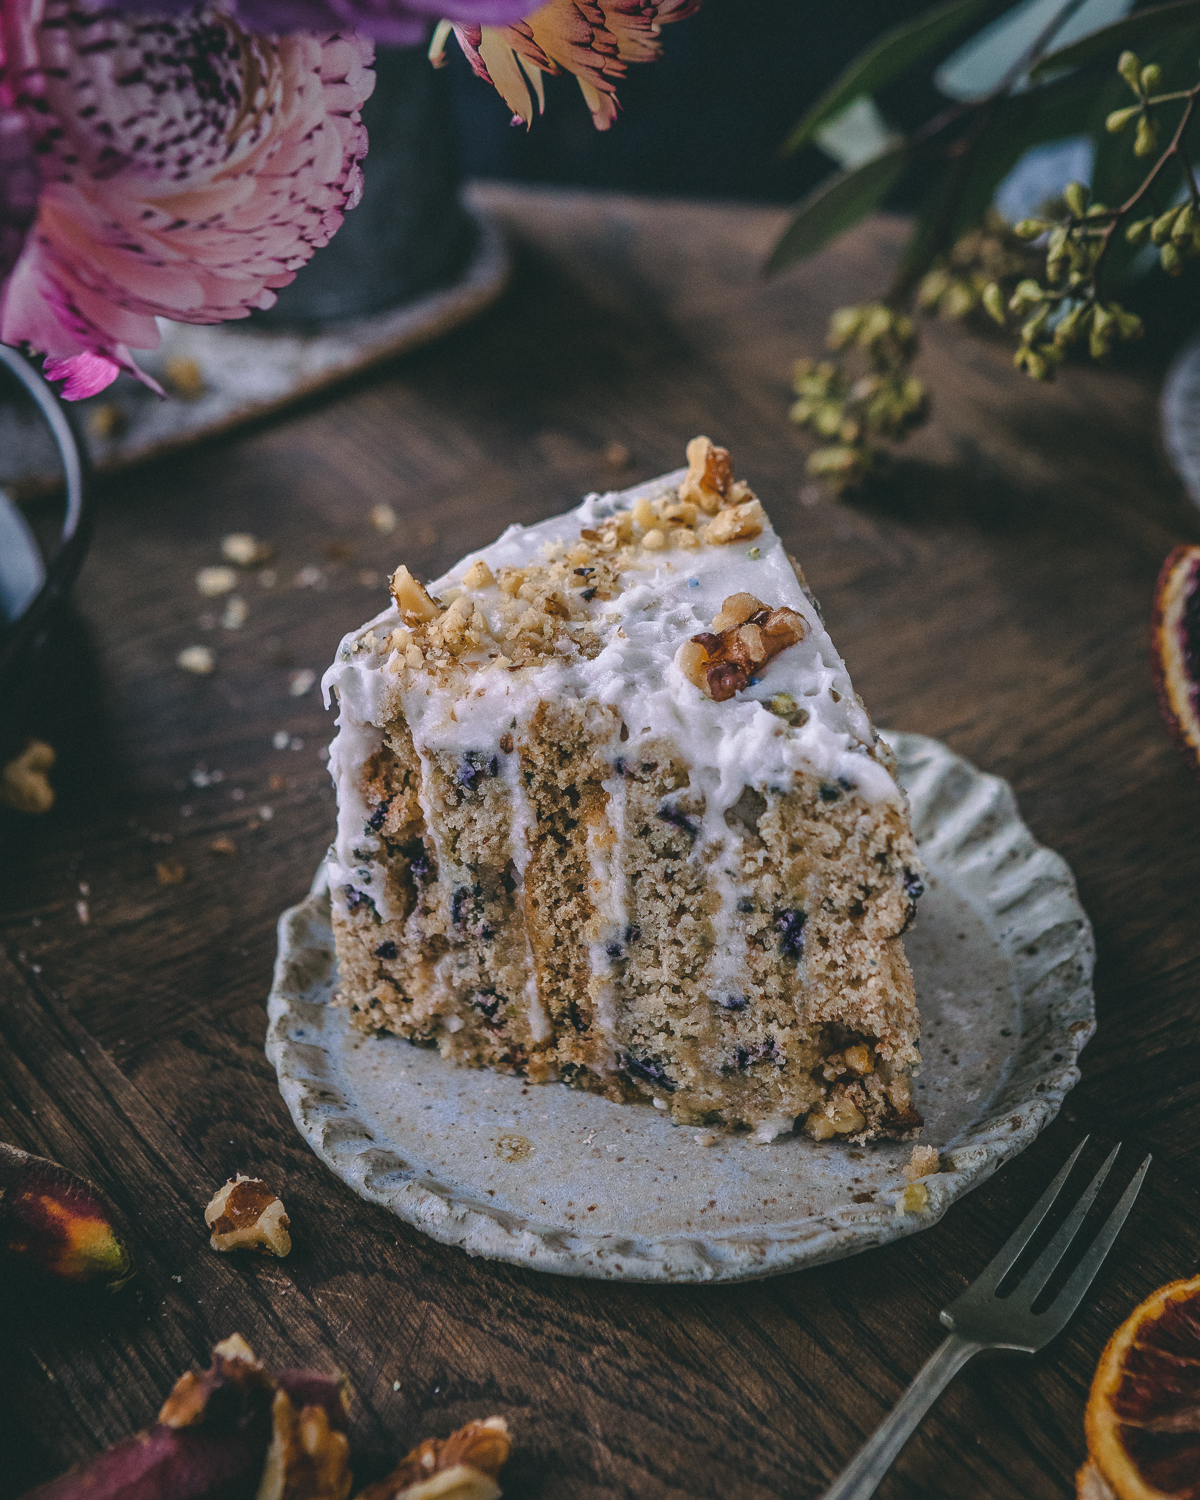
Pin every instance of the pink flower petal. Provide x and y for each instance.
(85, 374)
(188, 169)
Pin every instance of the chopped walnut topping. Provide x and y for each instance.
(412, 598)
(246, 1215)
(721, 662)
(478, 575)
(463, 1466)
(922, 1163)
(737, 523)
(709, 476)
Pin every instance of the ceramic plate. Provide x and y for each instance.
(563, 1181)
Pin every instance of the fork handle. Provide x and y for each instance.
(860, 1480)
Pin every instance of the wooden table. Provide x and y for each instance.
(996, 596)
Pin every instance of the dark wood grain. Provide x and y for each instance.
(995, 594)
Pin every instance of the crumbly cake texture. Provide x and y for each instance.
(611, 813)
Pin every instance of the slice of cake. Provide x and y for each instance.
(611, 813)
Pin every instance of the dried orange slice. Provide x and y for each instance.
(1176, 642)
(1143, 1414)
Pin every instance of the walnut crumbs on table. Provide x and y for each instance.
(611, 813)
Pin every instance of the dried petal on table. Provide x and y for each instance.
(246, 1215)
(217, 1433)
(59, 1224)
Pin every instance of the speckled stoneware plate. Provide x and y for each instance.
(563, 1181)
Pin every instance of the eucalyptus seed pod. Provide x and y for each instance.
(1029, 229)
(1075, 196)
(1129, 66)
(993, 302)
(1150, 77)
(1119, 118)
(1172, 260)
(1129, 325)
(1145, 143)
(1184, 226)
(1160, 230)
(1071, 326)
(1138, 232)
(1104, 327)
(1027, 294)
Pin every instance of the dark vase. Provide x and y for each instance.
(410, 234)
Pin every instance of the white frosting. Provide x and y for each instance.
(667, 597)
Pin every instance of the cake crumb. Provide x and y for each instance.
(913, 1200)
(244, 549)
(705, 1138)
(214, 581)
(199, 660)
(922, 1163)
(235, 613)
(184, 377)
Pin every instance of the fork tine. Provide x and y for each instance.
(1002, 1262)
(1043, 1268)
(1082, 1276)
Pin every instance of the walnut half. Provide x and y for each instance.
(246, 1215)
(463, 1466)
(746, 635)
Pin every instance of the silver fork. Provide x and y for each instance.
(980, 1320)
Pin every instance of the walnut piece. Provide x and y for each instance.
(308, 1459)
(412, 598)
(734, 524)
(709, 476)
(463, 1466)
(746, 635)
(478, 575)
(246, 1215)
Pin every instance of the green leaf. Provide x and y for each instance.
(835, 206)
(1140, 27)
(885, 59)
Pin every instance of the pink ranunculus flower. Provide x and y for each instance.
(596, 40)
(181, 168)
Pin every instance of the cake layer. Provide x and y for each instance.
(611, 813)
